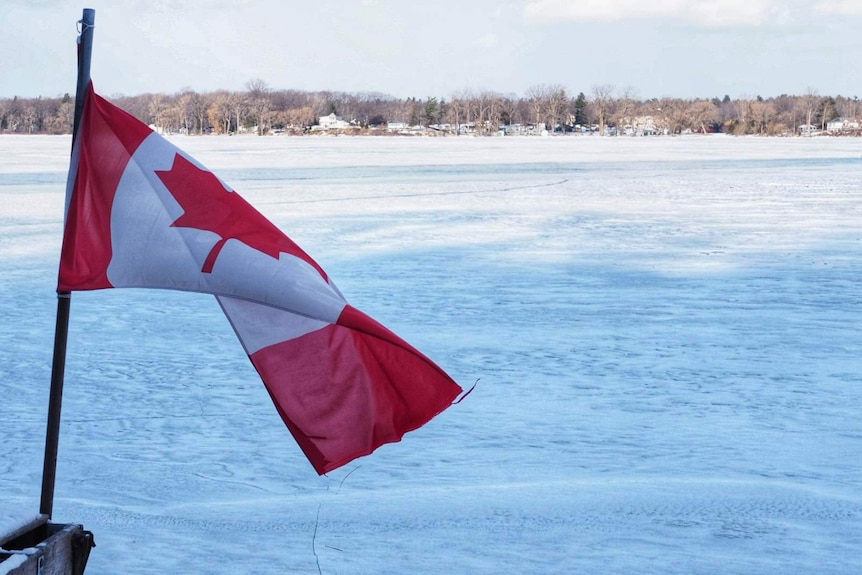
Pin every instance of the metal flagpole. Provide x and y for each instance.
(64, 299)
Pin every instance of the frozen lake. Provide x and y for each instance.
(666, 334)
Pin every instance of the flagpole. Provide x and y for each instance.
(64, 299)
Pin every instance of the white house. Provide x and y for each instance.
(332, 122)
(641, 126)
(842, 125)
(809, 130)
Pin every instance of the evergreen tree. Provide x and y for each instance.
(431, 111)
(414, 112)
(581, 109)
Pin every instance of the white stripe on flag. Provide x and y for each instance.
(260, 326)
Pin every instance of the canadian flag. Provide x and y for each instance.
(141, 213)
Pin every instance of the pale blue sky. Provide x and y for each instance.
(684, 48)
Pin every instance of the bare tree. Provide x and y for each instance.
(537, 95)
(13, 114)
(301, 117)
(156, 109)
(548, 102)
(489, 108)
(173, 117)
(761, 117)
(602, 96)
(702, 113)
(477, 108)
(260, 103)
(626, 108)
(556, 105)
(459, 109)
(675, 114)
(238, 103)
(786, 114)
(488, 113)
(848, 107)
(507, 110)
(809, 104)
(61, 121)
(219, 112)
(194, 111)
(742, 108)
(827, 111)
(30, 117)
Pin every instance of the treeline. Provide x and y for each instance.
(260, 109)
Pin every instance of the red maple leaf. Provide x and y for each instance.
(208, 205)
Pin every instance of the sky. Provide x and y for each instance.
(673, 48)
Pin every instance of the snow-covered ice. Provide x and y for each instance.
(13, 562)
(16, 521)
(666, 334)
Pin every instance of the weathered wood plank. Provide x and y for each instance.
(48, 549)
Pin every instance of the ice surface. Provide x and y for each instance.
(665, 333)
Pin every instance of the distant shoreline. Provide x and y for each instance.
(543, 108)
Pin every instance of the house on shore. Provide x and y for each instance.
(331, 122)
(843, 126)
(809, 130)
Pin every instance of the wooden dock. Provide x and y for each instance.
(38, 547)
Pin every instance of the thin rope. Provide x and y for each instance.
(82, 27)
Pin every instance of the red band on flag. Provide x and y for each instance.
(87, 234)
(343, 392)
